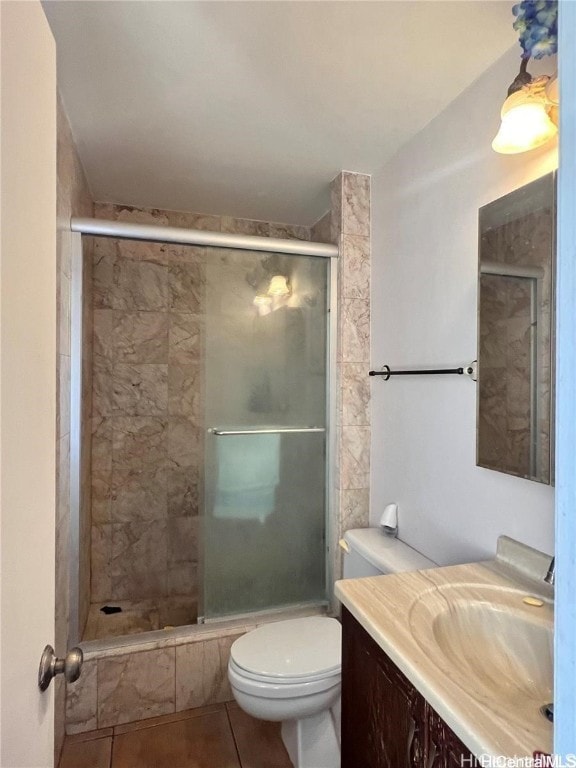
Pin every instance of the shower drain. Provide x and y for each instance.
(548, 711)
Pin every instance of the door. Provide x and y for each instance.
(27, 379)
(265, 352)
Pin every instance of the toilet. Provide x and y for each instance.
(290, 671)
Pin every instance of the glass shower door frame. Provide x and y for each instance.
(330, 449)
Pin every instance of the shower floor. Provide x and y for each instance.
(139, 616)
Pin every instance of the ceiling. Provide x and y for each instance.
(250, 108)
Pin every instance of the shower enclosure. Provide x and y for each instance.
(208, 387)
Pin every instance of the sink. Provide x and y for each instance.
(487, 638)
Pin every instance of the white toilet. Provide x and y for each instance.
(290, 671)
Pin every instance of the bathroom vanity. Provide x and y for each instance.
(447, 663)
(385, 721)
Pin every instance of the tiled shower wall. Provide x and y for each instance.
(347, 224)
(147, 410)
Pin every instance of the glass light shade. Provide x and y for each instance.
(278, 286)
(525, 124)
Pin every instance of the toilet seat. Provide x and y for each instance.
(275, 688)
(286, 652)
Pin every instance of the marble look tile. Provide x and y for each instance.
(81, 696)
(103, 342)
(139, 442)
(355, 331)
(204, 221)
(139, 548)
(185, 338)
(355, 267)
(181, 609)
(182, 540)
(104, 273)
(101, 557)
(289, 231)
(355, 389)
(140, 285)
(355, 204)
(201, 673)
(101, 455)
(156, 253)
(141, 337)
(134, 215)
(184, 442)
(140, 584)
(135, 686)
(102, 395)
(185, 384)
(187, 286)
(321, 231)
(140, 390)
(336, 208)
(355, 448)
(246, 226)
(493, 341)
(183, 492)
(354, 508)
(182, 580)
(138, 495)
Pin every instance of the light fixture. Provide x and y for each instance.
(530, 115)
(278, 286)
(526, 118)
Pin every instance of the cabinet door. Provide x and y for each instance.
(444, 748)
(382, 714)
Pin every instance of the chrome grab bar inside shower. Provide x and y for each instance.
(266, 431)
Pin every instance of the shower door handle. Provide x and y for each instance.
(266, 431)
(50, 666)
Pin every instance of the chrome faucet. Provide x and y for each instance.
(549, 578)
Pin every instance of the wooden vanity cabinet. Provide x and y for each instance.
(386, 723)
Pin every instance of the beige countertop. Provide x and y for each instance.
(496, 711)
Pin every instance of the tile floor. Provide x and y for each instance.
(218, 736)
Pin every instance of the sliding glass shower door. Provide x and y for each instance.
(263, 527)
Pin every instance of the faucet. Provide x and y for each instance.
(549, 578)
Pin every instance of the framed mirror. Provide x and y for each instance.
(517, 253)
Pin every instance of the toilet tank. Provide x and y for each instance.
(371, 553)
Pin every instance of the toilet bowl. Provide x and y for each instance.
(290, 671)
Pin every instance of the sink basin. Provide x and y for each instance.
(486, 637)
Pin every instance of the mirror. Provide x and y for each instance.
(517, 253)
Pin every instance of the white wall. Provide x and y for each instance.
(425, 214)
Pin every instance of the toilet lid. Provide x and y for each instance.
(291, 649)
